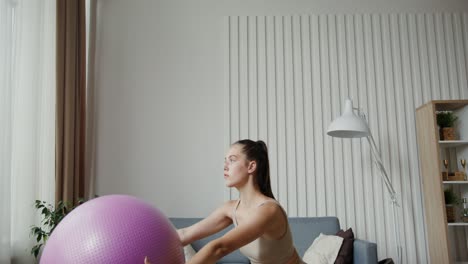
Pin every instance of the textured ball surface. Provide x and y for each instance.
(113, 229)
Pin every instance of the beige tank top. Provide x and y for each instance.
(268, 251)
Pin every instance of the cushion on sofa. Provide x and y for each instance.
(189, 252)
(345, 256)
(323, 250)
(305, 229)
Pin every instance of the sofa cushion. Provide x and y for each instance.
(323, 250)
(189, 252)
(345, 256)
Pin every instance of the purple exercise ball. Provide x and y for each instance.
(113, 229)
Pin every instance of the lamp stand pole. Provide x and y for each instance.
(391, 191)
(348, 125)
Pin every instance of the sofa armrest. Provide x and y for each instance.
(365, 252)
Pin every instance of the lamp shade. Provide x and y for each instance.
(348, 125)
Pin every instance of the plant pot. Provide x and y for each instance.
(450, 211)
(447, 133)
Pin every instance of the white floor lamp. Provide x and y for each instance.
(348, 125)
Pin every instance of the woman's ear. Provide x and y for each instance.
(252, 166)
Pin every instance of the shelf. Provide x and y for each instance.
(444, 105)
(452, 143)
(458, 224)
(455, 182)
(432, 151)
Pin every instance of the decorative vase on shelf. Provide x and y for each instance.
(463, 163)
(445, 173)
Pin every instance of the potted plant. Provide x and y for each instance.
(51, 217)
(446, 121)
(451, 199)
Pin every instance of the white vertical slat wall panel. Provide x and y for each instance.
(252, 76)
(465, 48)
(336, 150)
(299, 116)
(461, 66)
(244, 111)
(408, 167)
(452, 63)
(421, 29)
(325, 99)
(360, 95)
(271, 104)
(309, 155)
(291, 205)
(377, 106)
(441, 54)
(400, 118)
(433, 60)
(234, 87)
(369, 94)
(319, 169)
(262, 79)
(287, 78)
(227, 90)
(281, 116)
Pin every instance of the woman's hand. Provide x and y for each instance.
(147, 261)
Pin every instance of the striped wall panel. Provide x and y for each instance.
(287, 77)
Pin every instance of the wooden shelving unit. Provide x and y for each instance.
(444, 239)
(452, 143)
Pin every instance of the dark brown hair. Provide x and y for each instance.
(258, 151)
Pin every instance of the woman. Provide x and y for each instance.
(261, 226)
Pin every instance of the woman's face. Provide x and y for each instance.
(236, 167)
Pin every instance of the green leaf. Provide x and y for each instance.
(35, 250)
(36, 230)
(44, 211)
(51, 217)
(446, 119)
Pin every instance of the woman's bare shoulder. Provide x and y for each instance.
(272, 207)
(228, 206)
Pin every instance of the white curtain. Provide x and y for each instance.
(27, 121)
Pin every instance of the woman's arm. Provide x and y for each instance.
(250, 230)
(215, 222)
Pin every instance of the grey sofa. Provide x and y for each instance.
(304, 231)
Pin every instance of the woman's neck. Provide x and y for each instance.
(250, 195)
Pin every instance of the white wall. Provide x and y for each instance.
(160, 101)
(159, 106)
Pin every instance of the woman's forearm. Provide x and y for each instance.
(209, 254)
(181, 233)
